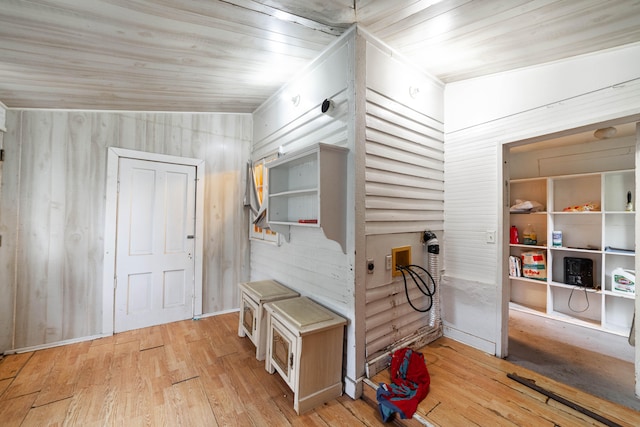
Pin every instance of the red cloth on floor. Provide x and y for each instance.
(410, 382)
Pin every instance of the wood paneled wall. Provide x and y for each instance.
(53, 209)
(404, 190)
(310, 263)
(390, 117)
(474, 178)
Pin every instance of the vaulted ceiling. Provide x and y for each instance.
(230, 55)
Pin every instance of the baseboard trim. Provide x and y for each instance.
(383, 359)
(55, 344)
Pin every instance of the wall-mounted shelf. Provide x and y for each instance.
(307, 188)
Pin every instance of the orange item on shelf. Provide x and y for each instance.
(587, 207)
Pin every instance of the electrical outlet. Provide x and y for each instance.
(491, 236)
(387, 261)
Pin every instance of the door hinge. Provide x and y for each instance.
(115, 282)
(2, 155)
(118, 187)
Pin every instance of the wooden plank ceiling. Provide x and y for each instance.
(230, 55)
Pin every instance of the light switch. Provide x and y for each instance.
(491, 236)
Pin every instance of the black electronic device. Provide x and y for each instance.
(578, 272)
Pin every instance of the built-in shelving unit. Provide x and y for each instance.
(307, 188)
(591, 212)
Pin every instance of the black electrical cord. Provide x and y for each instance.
(426, 291)
(586, 296)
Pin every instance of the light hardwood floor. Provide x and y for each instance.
(189, 373)
(469, 388)
(200, 373)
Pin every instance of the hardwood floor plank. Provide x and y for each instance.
(61, 382)
(219, 332)
(202, 352)
(227, 408)
(191, 404)
(277, 386)
(247, 382)
(87, 404)
(34, 373)
(14, 411)
(123, 371)
(152, 339)
(368, 414)
(335, 414)
(4, 385)
(10, 366)
(49, 415)
(128, 336)
(96, 367)
(179, 361)
(265, 413)
(309, 419)
(152, 363)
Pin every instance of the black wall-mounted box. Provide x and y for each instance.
(578, 272)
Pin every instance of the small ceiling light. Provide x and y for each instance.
(605, 133)
(295, 100)
(414, 91)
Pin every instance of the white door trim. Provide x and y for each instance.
(111, 211)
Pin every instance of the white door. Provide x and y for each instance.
(155, 243)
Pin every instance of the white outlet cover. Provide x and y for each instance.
(491, 236)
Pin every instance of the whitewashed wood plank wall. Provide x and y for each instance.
(395, 185)
(474, 179)
(404, 188)
(310, 263)
(53, 210)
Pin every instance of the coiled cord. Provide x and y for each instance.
(425, 291)
(586, 296)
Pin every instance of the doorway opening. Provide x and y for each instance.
(545, 314)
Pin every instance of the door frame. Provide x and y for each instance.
(111, 211)
(504, 288)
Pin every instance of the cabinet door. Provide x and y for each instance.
(283, 347)
(248, 312)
